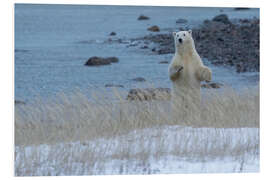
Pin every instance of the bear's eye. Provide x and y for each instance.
(184, 34)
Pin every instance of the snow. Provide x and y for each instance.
(160, 150)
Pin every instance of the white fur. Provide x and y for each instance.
(186, 70)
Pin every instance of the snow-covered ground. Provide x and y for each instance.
(159, 150)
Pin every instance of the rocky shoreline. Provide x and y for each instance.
(161, 93)
(220, 40)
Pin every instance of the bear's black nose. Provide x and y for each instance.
(180, 40)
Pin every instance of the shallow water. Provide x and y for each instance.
(50, 53)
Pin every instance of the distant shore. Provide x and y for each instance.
(220, 40)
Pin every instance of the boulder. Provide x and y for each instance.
(112, 34)
(139, 79)
(164, 62)
(241, 8)
(143, 17)
(17, 102)
(97, 61)
(112, 59)
(222, 18)
(21, 50)
(212, 85)
(114, 85)
(181, 21)
(153, 29)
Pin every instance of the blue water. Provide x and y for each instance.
(49, 55)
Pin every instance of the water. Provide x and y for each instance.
(49, 57)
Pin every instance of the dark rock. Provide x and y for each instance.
(220, 39)
(181, 21)
(212, 85)
(244, 20)
(241, 8)
(112, 59)
(222, 18)
(216, 85)
(21, 50)
(153, 29)
(19, 102)
(144, 47)
(143, 17)
(112, 34)
(97, 61)
(206, 21)
(139, 79)
(240, 68)
(164, 62)
(230, 62)
(114, 85)
(149, 94)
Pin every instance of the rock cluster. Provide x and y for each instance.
(161, 93)
(221, 42)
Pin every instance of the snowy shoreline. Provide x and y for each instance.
(163, 150)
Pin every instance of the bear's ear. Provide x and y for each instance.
(174, 33)
(190, 32)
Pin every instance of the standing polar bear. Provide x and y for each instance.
(186, 71)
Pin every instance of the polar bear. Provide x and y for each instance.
(186, 71)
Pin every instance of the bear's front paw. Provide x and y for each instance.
(179, 68)
(175, 72)
(206, 74)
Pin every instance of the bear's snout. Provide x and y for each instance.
(180, 40)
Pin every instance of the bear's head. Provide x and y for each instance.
(183, 40)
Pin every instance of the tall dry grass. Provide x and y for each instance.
(77, 118)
